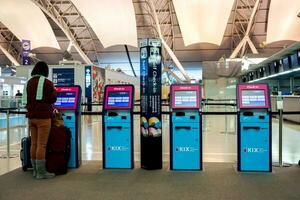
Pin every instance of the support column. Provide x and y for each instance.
(151, 125)
(292, 85)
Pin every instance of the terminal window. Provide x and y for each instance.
(185, 98)
(253, 98)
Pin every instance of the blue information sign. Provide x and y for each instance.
(88, 81)
(26, 47)
(63, 76)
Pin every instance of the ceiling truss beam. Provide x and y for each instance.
(160, 13)
(59, 13)
(242, 27)
(9, 45)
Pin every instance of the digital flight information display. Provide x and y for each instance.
(66, 99)
(185, 98)
(253, 98)
(118, 99)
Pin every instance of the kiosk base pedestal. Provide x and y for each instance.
(151, 153)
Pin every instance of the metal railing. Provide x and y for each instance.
(229, 110)
(10, 102)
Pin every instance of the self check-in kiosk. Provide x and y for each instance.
(118, 127)
(254, 128)
(68, 102)
(185, 128)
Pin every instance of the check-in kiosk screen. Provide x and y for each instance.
(253, 98)
(118, 99)
(185, 98)
(65, 100)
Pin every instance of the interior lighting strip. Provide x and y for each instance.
(275, 75)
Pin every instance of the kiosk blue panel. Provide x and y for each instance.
(254, 128)
(117, 117)
(118, 127)
(68, 102)
(118, 145)
(185, 128)
(254, 116)
(70, 122)
(255, 147)
(186, 145)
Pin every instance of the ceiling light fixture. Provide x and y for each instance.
(275, 75)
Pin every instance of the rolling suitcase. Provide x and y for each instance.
(25, 153)
(58, 150)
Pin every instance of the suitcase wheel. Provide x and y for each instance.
(24, 168)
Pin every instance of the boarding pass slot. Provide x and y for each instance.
(114, 127)
(251, 127)
(183, 127)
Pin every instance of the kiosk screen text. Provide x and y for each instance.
(65, 99)
(186, 98)
(253, 98)
(118, 99)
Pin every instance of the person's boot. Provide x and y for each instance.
(41, 170)
(33, 163)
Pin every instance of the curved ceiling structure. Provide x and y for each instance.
(27, 21)
(203, 21)
(113, 21)
(283, 23)
(214, 27)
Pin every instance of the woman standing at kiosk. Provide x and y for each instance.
(38, 96)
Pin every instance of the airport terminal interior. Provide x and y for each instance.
(163, 99)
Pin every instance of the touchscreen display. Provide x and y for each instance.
(185, 98)
(65, 99)
(118, 99)
(253, 98)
